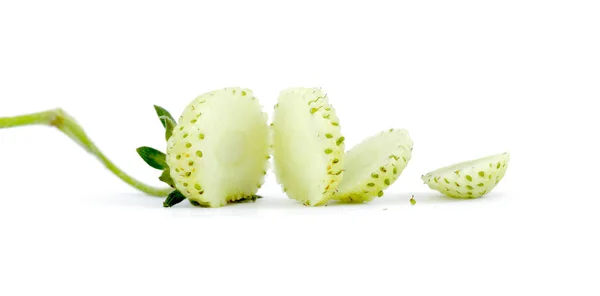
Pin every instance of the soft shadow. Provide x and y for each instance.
(433, 197)
(425, 197)
(121, 199)
(282, 204)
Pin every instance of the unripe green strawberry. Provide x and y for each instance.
(308, 148)
(470, 179)
(219, 150)
(374, 165)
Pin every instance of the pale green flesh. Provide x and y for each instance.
(466, 164)
(469, 179)
(373, 165)
(308, 148)
(366, 158)
(218, 152)
(301, 162)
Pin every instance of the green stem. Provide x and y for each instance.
(65, 123)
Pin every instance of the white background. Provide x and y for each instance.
(466, 78)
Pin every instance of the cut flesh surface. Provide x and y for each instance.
(219, 149)
(308, 147)
(374, 164)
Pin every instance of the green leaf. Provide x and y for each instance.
(169, 124)
(197, 204)
(174, 198)
(166, 177)
(153, 157)
(160, 111)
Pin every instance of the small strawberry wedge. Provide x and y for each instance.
(470, 179)
(373, 165)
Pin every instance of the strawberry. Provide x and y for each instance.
(217, 152)
(308, 148)
(470, 179)
(374, 164)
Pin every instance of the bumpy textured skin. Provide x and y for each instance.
(308, 148)
(375, 164)
(219, 149)
(470, 179)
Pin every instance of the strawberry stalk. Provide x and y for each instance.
(65, 123)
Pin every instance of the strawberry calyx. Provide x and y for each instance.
(158, 159)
